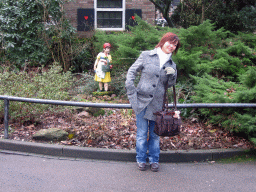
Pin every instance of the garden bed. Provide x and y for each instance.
(116, 129)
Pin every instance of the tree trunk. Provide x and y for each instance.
(169, 21)
(203, 10)
(164, 8)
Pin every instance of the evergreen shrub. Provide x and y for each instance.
(36, 33)
(235, 15)
(214, 90)
(248, 18)
(117, 83)
(249, 39)
(82, 60)
(86, 84)
(202, 35)
(249, 77)
(188, 63)
(51, 84)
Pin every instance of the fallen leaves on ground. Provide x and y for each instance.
(117, 130)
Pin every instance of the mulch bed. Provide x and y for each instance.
(117, 130)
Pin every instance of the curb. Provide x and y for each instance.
(176, 156)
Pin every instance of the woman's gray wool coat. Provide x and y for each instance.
(150, 89)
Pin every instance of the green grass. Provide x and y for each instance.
(103, 93)
(248, 156)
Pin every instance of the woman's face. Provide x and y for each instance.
(169, 47)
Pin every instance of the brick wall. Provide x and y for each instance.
(71, 11)
(148, 10)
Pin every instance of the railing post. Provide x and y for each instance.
(6, 118)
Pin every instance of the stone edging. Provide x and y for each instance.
(175, 156)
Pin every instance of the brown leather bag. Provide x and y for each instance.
(168, 123)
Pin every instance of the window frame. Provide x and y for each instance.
(96, 10)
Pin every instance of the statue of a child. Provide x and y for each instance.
(102, 67)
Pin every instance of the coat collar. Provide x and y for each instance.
(154, 52)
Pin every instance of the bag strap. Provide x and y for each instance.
(165, 99)
(174, 98)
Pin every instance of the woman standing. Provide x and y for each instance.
(103, 60)
(156, 67)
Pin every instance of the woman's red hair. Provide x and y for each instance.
(173, 38)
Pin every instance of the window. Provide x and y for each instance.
(109, 19)
(115, 19)
(109, 4)
(109, 14)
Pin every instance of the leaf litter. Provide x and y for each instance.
(117, 130)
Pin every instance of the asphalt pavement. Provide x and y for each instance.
(35, 172)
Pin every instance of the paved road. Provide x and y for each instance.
(27, 173)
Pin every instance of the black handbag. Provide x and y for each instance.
(168, 122)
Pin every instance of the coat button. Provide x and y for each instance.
(164, 67)
(154, 85)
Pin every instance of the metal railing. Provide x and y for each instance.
(7, 100)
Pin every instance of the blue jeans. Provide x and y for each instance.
(143, 143)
